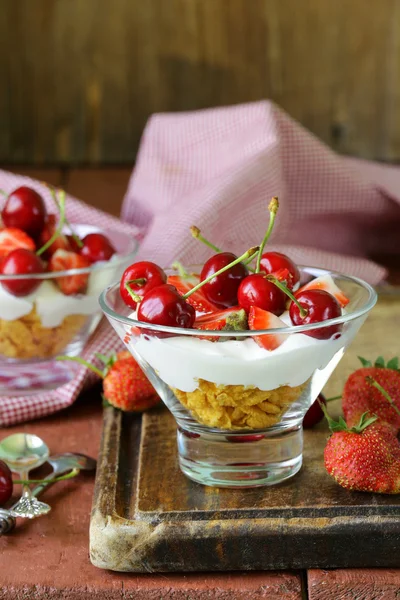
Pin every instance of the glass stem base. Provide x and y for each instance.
(234, 460)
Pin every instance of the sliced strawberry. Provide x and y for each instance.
(262, 319)
(63, 260)
(60, 243)
(197, 300)
(326, 283)
(12, 238)
(216, 320)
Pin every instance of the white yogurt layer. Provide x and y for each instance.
(182, 360)
(52, 305)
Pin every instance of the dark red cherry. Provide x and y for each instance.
(61, 242)
(152, 274)
(256, 290)
(6, 483)
(24, 209)
(96, 247)
(73, 244)
(271, 262)
(21, 262)
(222, 290)
(314, 414)
(163, 305)
(320, 306)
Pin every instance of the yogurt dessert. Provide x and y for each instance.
(40, 311)
(249, 336)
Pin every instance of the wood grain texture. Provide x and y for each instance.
(86, 74)
(147, 516)
(351, 584)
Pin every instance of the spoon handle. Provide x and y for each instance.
(7, 521)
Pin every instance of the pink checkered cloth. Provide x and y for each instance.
(17, 409)
(218, 169)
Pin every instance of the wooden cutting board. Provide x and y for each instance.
(148, 517)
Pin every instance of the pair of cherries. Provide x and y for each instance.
(161, 304)
(25, 210)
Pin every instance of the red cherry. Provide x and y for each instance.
(74, 246)
(96, 247)
(271, 262)
(21, 262)
(320, 306)
(163, 305)
(256, 290)
(25, 210)
(6, 483)
(222, 290)
(314, 414)
(153, 275)
(47, 232)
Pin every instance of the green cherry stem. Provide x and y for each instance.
(60, 225)
(273, 209)
(83, 362)
(382, 390)
(77, 239)
(69, 475)
(132, 294)
(196, 233)
(285, 290)
(244, 257)
(3, 192)
(333, 398)
(177, 266)
(140, 281)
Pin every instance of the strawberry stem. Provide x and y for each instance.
(242, 258)
(273, 209)
(196, 233)
(77, 239)
(303, 311)
(61, 204)
(83, 362)
(69, 475)
(382, 390)
(135, 297)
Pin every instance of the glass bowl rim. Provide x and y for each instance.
(122, 258)
(369, 304)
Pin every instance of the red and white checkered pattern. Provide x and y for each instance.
(218, 169)
(17, 409)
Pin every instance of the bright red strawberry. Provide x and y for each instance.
(365, 458)
(262, 319)
(360, 396)
(198, 299)
(230, 318)
(12, 238)
(326, 283)
(60, 243)
(126, 387)
(63, 260)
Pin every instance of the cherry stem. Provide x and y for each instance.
(66, 221)
(140, 281)
(333, 398)
(83, 362)
(61, 204)
(69, 475)
(245, 256)
(196, 233)
(3, 192)
(303, 311)
(177, 266)
(273, 209)
(132, 294)
(382, 390)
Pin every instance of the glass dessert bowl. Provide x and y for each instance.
(239, 397)
(52, 319)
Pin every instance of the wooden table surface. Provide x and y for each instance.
(48, 558)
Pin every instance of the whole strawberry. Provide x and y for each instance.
(365, 457)
(126, 387)
(360, 396)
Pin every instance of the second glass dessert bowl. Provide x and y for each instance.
(238, 406)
